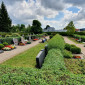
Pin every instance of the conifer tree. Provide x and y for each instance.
(5, 21)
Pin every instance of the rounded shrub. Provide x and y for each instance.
(1, 46)
(67, 54)
(75, 50)
(5, 43)
(67, 46)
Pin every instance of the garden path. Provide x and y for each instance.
(67, 40)
(19, 49)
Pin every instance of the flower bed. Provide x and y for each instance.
(21, 44)
(77, 57)
(6, 49)
(35, 39)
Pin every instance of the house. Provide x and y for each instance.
(77, 30)
(83, 29)
(49, 29)
(61, 30)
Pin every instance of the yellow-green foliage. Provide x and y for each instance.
(56, 42)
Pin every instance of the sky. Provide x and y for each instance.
(56, 13)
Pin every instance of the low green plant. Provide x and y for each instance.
(72, 48)
(75, 50)
(1, 46)
(28, 42)
(5, 43)
(56, 42)
(67, 46)
(67, 54)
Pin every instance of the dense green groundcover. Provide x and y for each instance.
(53, 72)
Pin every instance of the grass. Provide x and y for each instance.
(74, 40)
(76, 66)
(25, 59)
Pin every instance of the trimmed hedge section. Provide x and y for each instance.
(72, 48)
(9, 40)
(56, 42)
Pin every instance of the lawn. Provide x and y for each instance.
(25, 59)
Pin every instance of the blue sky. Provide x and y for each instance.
(73, 9)
(56, 13)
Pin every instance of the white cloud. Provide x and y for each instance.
(22, 12)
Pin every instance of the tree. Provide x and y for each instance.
(22, 28)
(5, 21)
(70, 28)
(47, 26)
(36, 27)
(28, 29)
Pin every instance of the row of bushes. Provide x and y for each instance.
(72, 48)
(56, 42)
(9, 40)
(82, 37)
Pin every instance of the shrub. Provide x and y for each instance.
(76, 50)
(5, 43)
(1, 46)
(51, 36)
(28, 42)
(67, 46)
(56, 42)
(67, 54)
(54, 61)
(9, 40)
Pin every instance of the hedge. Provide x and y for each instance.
(67, 54)
(9, 40)
(79, 36)
(56, 42)
(72, 48)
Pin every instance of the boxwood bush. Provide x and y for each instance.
(9, 40)
(75, 50)
(67, 54)
(1, 46)
(56, 42)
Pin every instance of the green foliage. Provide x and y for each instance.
(76, 66)
(1, 46)
(36, 27)
(9, 40)
(67, 54)
(82, 37)
(72, 48)
(75, 50)
(5, 43)
(67, 46)
(70, 28)
(56, 42)
(28, 42)
(5, 21)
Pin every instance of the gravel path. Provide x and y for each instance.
(19, 49)
(78, 45)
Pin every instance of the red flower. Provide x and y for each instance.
(77, 57)
(35, 39)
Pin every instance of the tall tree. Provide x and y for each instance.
(70, 28)
(5, 21)
(36, 27)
